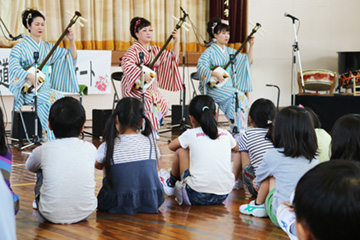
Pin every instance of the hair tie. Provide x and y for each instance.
(300, 106)
(136, 24)
(204, 108)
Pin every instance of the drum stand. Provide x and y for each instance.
(295, 51)
(36, 139)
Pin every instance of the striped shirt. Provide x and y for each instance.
(254, 142)
(129, 148)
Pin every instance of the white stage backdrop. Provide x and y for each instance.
(93, 69)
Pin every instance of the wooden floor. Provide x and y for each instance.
(172, 221)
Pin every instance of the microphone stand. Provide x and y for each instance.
(36, 139)
(295, 51)
(141, 57)
(235, 129)
(278, 95)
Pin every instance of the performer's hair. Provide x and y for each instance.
(218, 27)
(29, 15)
(136, 24)
(128, 114)
(67, 117)
(202, 108)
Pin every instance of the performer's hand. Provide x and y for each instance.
(252, 41)
(147, 78)
(218, 76)
(31, 77)
(174, 34)
(70, 34)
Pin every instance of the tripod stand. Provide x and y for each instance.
(36, 139)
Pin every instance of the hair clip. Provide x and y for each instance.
(213, 27)
(204, 108)
(223, 21)
(301, 106)
(269, 122)
(136, 24)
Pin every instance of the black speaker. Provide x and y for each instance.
(18, 131)
(99, 118)
(176, 114)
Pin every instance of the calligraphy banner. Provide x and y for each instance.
(93, 69)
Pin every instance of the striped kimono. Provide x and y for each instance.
(168, 78)
(225, 96)
(62, 78)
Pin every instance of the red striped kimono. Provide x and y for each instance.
(168, 78)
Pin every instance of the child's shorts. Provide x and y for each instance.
(190, 196)
(248, 176)
(269, 207)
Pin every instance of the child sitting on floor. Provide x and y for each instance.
(65, 185)
(294, 154)
(256, 141)
(129, 155)
(202, 157)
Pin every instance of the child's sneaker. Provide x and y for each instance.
(286, 219)
(34, 205)
(164, 175)
(254, 210)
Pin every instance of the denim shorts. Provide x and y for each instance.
(248, 176)
(197, 198)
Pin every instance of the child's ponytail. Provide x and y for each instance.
(110, 133)
(202, 108)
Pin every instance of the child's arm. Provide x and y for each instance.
(236, 148)
(98, 165)
(174, 144)
(33, 162)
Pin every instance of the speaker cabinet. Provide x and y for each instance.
(18, 130)
(176, 111)
(99, 119)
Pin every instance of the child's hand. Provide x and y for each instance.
(254, 185)
(289, 205)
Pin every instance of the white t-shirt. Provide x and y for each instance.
(210, 161)
(67, 194)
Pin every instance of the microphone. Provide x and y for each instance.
(17, 37)
(211, 42)
(290, 16)
(141, 56)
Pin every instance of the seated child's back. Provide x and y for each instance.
(65, 191)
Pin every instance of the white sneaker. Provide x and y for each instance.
(34, 205)
(286, 219)
(254, 210)
(164, 175)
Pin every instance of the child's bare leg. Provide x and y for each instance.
(236, 159)
(180, 162)
(265, 187)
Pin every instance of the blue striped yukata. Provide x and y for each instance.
(62, 78)
(225, 96)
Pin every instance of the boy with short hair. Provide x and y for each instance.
(327, 200)
(65, 187)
